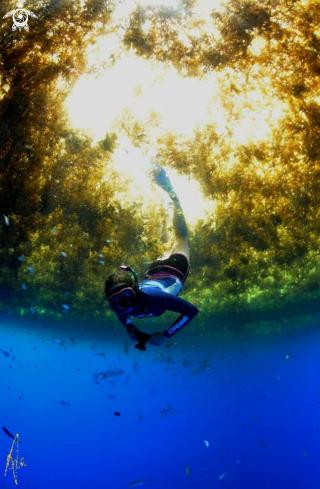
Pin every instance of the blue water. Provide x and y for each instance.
(236, 394)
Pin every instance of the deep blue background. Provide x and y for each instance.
(246, 393)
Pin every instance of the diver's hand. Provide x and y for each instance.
(157, 339)
(142, 338)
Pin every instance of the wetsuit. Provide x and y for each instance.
(158, 294)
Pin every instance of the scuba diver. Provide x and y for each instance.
(162, 284)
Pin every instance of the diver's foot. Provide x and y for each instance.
(161, 178)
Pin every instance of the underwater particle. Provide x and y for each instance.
(222, 476)
(54, 231)
(21, 258)
(138, 483)
(66, 294)
(188, 471)
(101, 262)
(206, 443)
(5, 353)
(6, 220)
(100, 255)
(32, 310)
(31, 270)
(8, 313)
(65, 307)
(304, 453)
(109, 240)
(64, 254)
(7, 432)
(64, 403)
(287, 357)
(24, 287)
(116, 413)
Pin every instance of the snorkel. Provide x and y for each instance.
(135, 276)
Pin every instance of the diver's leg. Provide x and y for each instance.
(179, 222)
(180, 231)
(165, 234)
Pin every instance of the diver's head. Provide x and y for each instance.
(121, 289)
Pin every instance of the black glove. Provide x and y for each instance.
(142, 340)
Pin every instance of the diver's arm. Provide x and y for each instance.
(172, 303)
(188, 312)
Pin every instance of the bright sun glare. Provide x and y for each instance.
(147, 89)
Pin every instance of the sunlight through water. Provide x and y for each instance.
(125, 87)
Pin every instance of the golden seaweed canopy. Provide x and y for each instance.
(255, 257)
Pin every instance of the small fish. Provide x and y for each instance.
(73, 341)
(21, 258)
(101, 262)
(64, 254)
(54, 231)
(65, 307)
(6, 220)
(100, 256)
(262, 444)
(222, 476)
(8, 313)
(188, 471)
(24, 287)
(116, 413)
(31, 270)
(109, 240)
(66, 294)
(5, 353)
(287, 357)
(64, 403)
(32, 310)
(13, 357)
(206, 443)
(20, 398)
(138, 483)
(165, 411)
(141, 135)
(112, 396)
(146, 262)
(304, 453)
(7, 432)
